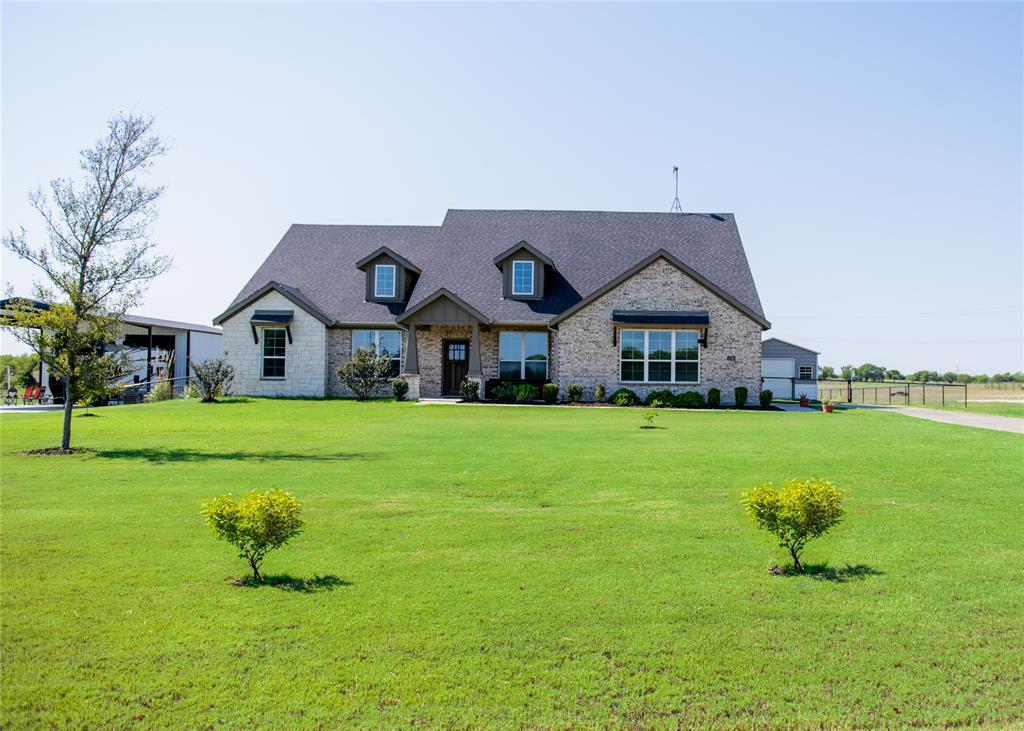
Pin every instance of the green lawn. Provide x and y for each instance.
(995, 408)
(508, 567)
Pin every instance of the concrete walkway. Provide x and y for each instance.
(30, 408)
(793, 407)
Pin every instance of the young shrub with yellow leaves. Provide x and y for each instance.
(796, 512)
(257, 523)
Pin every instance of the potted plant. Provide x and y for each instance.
(804, 401)
(827, 406)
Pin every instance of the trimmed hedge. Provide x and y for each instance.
(573, 392)
(663, 396)
(714, 398)
(765, 397)
(551, 393)
(600, 392)
(741, 396)
(689, 400)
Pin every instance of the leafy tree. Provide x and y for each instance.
(869, 372)
(212, 377)
(848, 372)
(893, 375)
(826, 372)
(980, 379)
(256, 524)
(948, 377)
(97, 257)
(366, 372)
(24, 369)
(795, 513)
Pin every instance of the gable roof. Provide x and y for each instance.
(386, 251)
(590, 249)
(289, 292)
(786, 342)
(523, 246)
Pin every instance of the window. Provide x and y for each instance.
(382, 341)
(806, 373)
(522, 277)
(523, 356)
(273, 352)
(659, 356)
(384, 280)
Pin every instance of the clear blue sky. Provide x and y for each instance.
(871, 152)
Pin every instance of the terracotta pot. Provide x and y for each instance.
(805, 402)
(828, 408)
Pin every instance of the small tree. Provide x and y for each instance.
(212, 377)
(256, 524)
(366, 372)
(97, 256)
(795, 513)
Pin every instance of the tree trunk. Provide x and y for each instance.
(796, 559)
(255, 571)
(69, 403)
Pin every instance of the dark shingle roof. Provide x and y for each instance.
(589, 249)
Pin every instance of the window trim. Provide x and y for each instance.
(264, 357)
(394, 281)
(647, 360)
(533, 278)
(375, 334)
(522, 353)
(800, 373)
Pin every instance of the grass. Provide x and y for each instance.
(991, 407)
(507, 567)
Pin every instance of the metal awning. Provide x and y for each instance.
(660, 317)
(278, 317)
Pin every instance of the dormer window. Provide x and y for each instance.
(384, 281)
(522, 278)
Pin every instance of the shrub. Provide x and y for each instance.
(469, 389)
(574, 392)
(796, 512)
(505, 392)
(624, 397)
(690, 400)
(599, 392)
(256, 524)
(366, 372)
(664, 396)
(525, 393)
(401, 388)
(550, 393)
(765, 397)
(212, 378)
(714, 398)
(741, 397)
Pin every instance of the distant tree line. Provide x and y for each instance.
(872, 372)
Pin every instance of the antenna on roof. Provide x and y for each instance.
(676, 208)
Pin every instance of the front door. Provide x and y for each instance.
(456, 365)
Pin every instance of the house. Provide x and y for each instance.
(639, 300)
(789, 370)
(158, 349)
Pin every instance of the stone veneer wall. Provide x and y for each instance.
(339, 350)
(305, 356)
(586, 354)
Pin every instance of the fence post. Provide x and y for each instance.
(849, 390)
(943, 394)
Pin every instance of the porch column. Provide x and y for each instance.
(412, 366)
(474, 351)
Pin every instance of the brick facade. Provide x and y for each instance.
(581, 351)
(586, 353)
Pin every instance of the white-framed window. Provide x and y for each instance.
(523, 355)
(384, 280)
(659, 356)
(522, 277)
(806, 373)
(274, 345)
(383, 341)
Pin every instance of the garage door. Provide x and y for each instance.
(777, 373)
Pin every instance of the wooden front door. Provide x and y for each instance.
(455, 366)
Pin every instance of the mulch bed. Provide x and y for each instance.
(54, 451)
